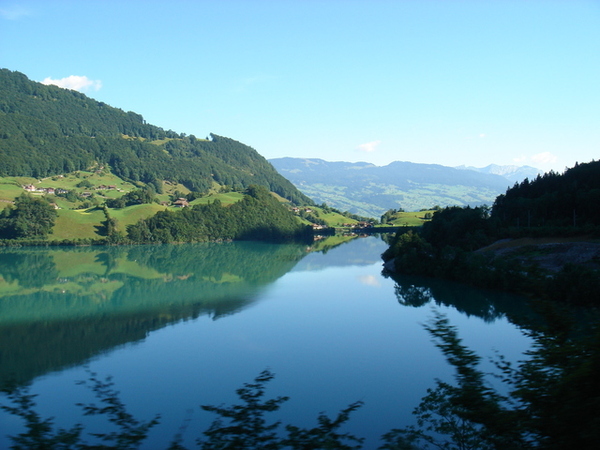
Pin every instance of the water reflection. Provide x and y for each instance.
(59, 307)
(416, 291)
(331, 328)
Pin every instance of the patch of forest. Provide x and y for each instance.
(455, 244)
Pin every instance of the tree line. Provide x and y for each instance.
(550, 205)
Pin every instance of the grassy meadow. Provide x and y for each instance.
(410, 219)
(81, 216)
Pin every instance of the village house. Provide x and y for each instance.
(364, 225)
(181, 203)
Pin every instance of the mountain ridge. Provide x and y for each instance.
(367, 189)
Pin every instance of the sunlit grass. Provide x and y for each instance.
(133, 214)
(226, 198)
(77, 224)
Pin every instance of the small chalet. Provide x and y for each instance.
(181, 203)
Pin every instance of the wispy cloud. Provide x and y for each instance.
(77, 83)
(520, 159)
(14, 12)
(369, 147)
(542, 159)
(369, 280)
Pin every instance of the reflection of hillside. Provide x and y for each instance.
(362, 252)
(488, 305)
(61, 307)
(28, 350)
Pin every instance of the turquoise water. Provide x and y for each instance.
(181, 326)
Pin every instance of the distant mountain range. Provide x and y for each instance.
(511, 173)
(370, 190)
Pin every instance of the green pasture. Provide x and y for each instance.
(334, 219)
(226, 198)
(12, 187)
(132, 214)
(78, 224)
(70, 181)
(409, 219)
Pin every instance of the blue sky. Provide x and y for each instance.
(445, 82)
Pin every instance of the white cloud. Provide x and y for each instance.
(13, 12)
(369, 147)
(544, 158)
(369, 280)
(77, 83)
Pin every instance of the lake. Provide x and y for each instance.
(178, 326)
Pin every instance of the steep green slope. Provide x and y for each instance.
(47, 130)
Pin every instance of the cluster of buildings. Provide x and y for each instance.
(50, 190)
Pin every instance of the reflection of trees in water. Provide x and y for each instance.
(251, 261)
(411, 295)
(488, 305)
(59, 322)
(109, 260)
(551, 403)
(30, 270)
(31, 349)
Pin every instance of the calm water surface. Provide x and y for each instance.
(181, 326)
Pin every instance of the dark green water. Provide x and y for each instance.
(180, 326)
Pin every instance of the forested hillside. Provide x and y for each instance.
(558, 200)
(259, 216)
(47, 130)
(544, 234)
